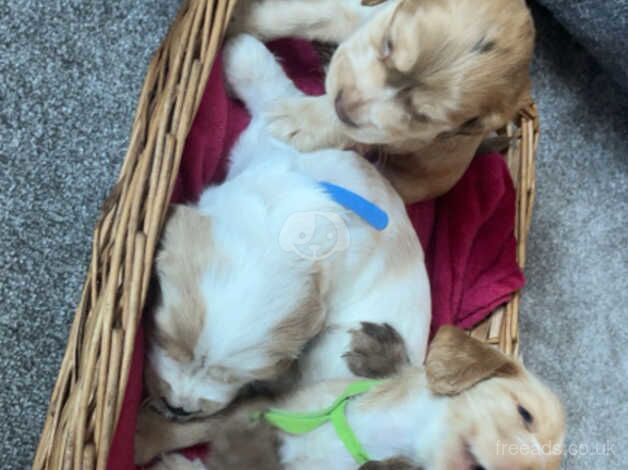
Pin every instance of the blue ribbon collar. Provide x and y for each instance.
(363, 208)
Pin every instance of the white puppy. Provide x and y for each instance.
(267, 261)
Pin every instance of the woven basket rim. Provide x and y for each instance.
(92, 379)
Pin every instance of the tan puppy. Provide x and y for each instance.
(470, 408)
(426, 80)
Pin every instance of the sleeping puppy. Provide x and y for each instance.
(268, 262)
(423, 81)
(469, 408)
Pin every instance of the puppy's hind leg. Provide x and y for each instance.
(254, 74)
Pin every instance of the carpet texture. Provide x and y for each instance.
(602, 27)
(70, 74)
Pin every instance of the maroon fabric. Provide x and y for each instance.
(467, 234)
(470, 251)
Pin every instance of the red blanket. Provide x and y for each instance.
(467, 234)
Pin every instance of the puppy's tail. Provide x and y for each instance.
(254, 74)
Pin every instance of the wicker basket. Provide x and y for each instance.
(88, 394)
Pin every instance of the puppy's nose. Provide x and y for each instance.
(341, 110)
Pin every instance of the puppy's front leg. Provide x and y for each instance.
(307, 123)
(155, 435)
(321, 20)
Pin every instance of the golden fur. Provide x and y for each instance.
(305, 322)
(454, 364)
(425, 79)
(178, 323)
(492, 397)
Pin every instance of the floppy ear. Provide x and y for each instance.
(501, 116)
(456, 362)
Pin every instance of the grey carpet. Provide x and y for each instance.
(70, 75)
(70, 72)
(601, 26)
(575, 307)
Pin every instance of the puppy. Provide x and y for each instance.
(423, 81)
(267, 263)
(471, 407)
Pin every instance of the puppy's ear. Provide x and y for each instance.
(371, 3)
(187, 230)
(456, 362)
(502, 115)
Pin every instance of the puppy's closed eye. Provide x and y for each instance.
(525, 415)
(470, 125)
(471, 122)
(386, 49)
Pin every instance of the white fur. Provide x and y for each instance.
(360, 286)
(259, 274)
(411, 427)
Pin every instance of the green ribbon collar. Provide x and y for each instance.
(302, 423)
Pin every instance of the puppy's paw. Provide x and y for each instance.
(377, 350)
(306, 123)
(148, 436)
(390, 464)
(254, 75)
(242, 56)
(147, 439)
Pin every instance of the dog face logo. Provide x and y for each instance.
(314, 235)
